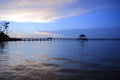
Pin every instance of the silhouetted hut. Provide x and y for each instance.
(83, 37)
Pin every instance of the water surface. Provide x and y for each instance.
(60, 60)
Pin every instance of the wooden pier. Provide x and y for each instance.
(50, 39)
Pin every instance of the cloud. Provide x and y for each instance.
(48, 34)
(45, 10)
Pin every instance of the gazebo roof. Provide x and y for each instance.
(82, 35)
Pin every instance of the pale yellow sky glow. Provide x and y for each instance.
(48, 34)
(38, 34)
(45, 33)
(35, 10)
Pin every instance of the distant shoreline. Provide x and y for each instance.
(103, 39)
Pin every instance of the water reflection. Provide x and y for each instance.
(3, 46)
(78, 60)
(3, 56)
(83, 42)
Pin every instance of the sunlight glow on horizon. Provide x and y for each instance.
(34, 11)
(49, 34)
(38, 34)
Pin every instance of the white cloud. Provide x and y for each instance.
(42, 10)
(48, 34)
(33, 10)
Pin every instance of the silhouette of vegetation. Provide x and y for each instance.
(4, 32)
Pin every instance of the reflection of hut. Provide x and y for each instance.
(83, 37)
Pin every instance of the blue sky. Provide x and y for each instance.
(37, 17)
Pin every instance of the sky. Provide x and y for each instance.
(30, 18)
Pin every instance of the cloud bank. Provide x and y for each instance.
(48, 34)
(45, 10)
(37, 34)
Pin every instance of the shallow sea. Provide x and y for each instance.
(60, 60)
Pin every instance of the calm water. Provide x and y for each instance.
(60, 60)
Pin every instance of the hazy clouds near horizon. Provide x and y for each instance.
(92, 33)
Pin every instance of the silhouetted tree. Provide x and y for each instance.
(5, 27)
(4, 31)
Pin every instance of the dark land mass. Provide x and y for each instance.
(4, 37)
(4, 33)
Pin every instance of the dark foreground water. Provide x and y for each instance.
(60, 60)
